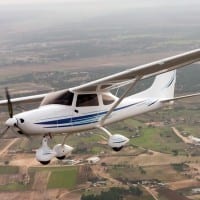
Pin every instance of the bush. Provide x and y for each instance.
(180, 167)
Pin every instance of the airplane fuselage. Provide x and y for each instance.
(57, 119)
(66, 111)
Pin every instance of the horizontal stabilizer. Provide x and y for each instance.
(178, 98)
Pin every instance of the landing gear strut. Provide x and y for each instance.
(44, 154)
(116, 141)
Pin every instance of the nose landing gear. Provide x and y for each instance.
(44, 154)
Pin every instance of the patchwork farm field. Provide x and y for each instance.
(63, 178)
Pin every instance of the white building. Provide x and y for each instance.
(93, 160)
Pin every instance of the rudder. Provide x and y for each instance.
(164, 85)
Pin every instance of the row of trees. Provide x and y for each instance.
(114, 194)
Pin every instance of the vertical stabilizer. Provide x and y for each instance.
(163, 85)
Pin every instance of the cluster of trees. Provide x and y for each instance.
(180, 167)
(114, 194)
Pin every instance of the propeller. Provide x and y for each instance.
(10, 107)
(11, 121)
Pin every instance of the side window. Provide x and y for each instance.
(87, 100)
(107, 99)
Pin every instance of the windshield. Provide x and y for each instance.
(61, 97)
(107, 99)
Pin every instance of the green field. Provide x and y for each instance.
(13, 187)
(8, 170)
(63, 178)
(159, 139)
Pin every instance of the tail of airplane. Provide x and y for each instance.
(163, 89)
(163, 86)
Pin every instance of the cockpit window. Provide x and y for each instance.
(87, 100)
(60, 97)
(107, 99)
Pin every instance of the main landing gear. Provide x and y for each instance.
(45, 154)
(116, 141)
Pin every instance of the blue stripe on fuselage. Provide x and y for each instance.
(81, 120)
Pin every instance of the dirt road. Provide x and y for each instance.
(152, 192)
(183, 184)
(5, 149)
(100, 172)
(184, 139)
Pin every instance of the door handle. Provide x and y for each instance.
(76, 111)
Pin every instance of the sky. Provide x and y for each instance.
(36, 14)
(110, 3)
(36, 20)
(78, 10)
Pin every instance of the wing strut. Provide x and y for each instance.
(105, 131)
(119, 100)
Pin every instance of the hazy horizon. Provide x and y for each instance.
(72, 26)
(80, 10)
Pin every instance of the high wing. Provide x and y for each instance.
(142, 71)
(125, 77)
(27, 99)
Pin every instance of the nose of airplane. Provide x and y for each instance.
(11, 122)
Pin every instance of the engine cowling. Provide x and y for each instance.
(117, 142)
(62, 151)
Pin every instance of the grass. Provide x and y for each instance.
(9, 170)
(159, 139)
(96, 150)
(63, 178)
(13, 187)
(192, 130)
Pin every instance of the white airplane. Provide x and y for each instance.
(92, 105)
